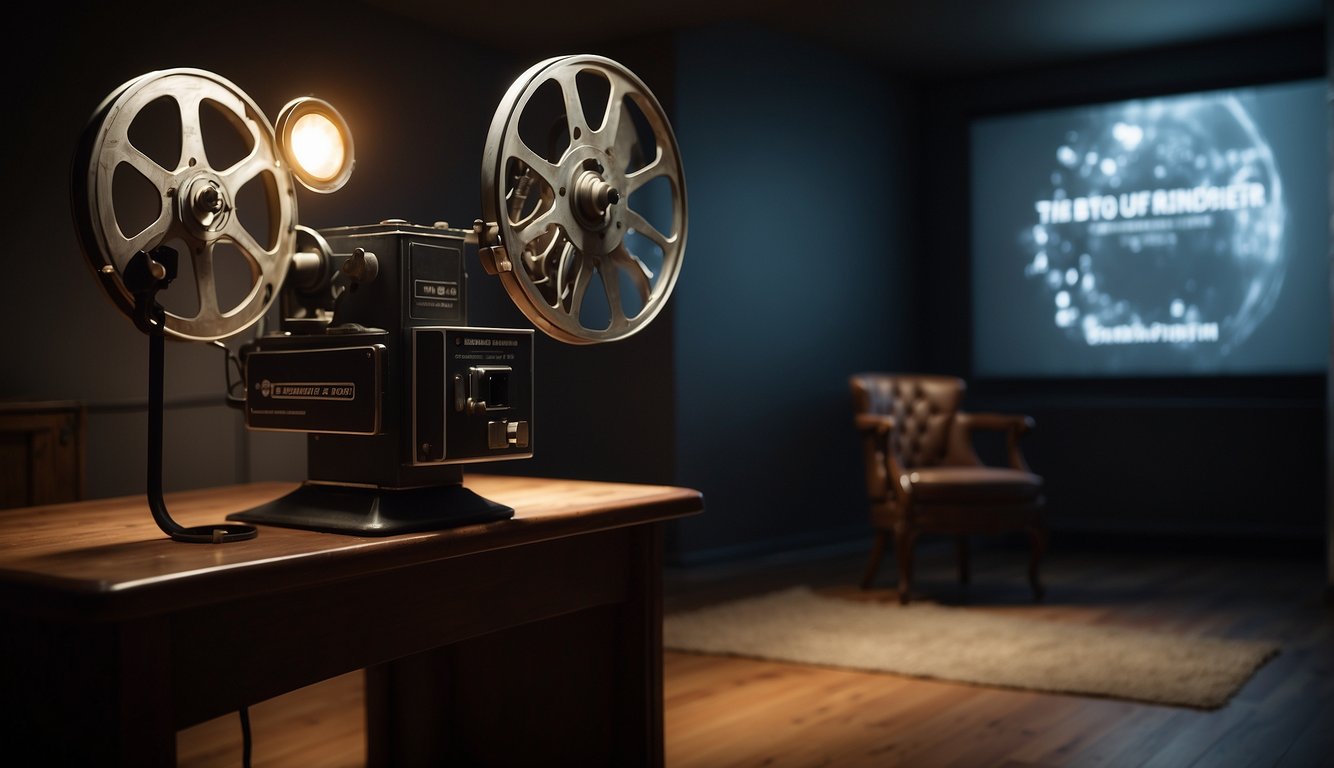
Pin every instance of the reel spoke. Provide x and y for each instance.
(192, 131)
(205, 282)
(245, 171)
(535, 162)
(241, 236)
(122, 249)
(611, 119)
(574, 107)
(536, 228)
(627, 141)
(612, 286)
(659, 167)
(639, 224)
(159, 177)
(635, 269)
(582, 277)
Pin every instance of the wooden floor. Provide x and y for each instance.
(736, 712)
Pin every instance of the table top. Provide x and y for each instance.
(106, 558)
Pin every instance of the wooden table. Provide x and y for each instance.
(532, 638)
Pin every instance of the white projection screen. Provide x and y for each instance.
(1183, 235)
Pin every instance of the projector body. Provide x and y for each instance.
(394, 388)
(377, 364)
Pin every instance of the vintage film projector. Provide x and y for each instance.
(583, 222)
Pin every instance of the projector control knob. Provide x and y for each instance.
(516, 433)
(361, 267)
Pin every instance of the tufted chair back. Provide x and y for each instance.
(923, 408)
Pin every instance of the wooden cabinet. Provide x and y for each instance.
(41, 453)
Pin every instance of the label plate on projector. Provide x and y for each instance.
(334, 391)
(436, 274)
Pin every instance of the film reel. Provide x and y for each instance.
(196, 195)
(605, 197)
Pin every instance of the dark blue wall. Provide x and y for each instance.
(1329, 384)
(798, 273)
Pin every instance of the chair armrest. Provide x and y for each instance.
(1013, 424)
(875, 423)
(997, 421)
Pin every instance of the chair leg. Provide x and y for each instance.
(877, 551)
(961, 545)
(1037, 535)
(903, 542)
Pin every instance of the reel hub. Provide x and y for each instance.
(205, 206)
(592, 199)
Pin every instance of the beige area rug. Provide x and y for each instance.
(972, 646)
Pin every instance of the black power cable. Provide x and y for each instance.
(245, 737)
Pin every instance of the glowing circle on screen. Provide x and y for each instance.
(1169, 214)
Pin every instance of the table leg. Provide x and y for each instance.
(88, 694)
(582, 689)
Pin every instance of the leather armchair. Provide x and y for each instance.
(923, 474)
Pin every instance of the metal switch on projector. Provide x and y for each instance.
(503, 434)
(516, 434)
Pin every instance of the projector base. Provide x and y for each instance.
(375, 511)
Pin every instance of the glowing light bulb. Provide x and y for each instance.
(317, 143)
(317, 146)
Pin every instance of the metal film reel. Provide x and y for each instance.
(570, 211)
(197, 199)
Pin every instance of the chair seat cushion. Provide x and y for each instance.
(973, 484)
